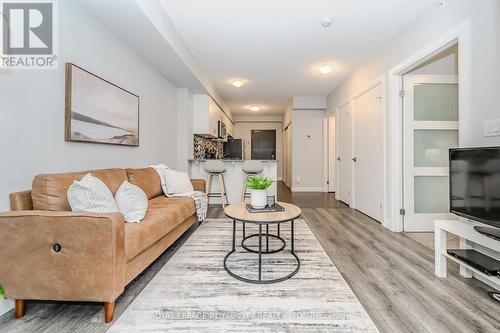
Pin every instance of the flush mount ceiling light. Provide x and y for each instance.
(326, 69)
(238, 83)
(255, 108)
(326, 21)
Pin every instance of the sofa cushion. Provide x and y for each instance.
(163, 215)
(91, 195)
(132, 202)
(49, 191)
(147, 179)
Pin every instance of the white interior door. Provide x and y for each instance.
(344, 156)
(331, 153)
(369, 153)
(285, 156)
(430, 113)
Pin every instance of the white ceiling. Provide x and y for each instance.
(277, 45)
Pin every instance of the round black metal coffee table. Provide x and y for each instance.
(239, 213)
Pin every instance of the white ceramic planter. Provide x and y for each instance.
(258, 198)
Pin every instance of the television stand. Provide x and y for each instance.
(489, 232)
(469, 238)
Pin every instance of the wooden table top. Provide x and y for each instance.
(240, 212)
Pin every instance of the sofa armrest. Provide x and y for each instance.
(88, 266)
(198, 185)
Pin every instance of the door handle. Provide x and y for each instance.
(338, 158)
(354, 159)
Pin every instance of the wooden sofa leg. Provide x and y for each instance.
(109, 310)
(20, 308)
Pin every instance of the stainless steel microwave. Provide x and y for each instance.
(222, 131)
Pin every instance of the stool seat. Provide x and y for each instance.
(252, 167)
(214, 166)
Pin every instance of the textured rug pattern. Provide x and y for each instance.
(193, 292)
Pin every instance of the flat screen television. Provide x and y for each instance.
(475, 184)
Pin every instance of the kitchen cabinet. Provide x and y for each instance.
(206, 116)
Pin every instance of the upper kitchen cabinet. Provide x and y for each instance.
(206, 116)
(229, 124)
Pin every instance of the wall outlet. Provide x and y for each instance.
(298, 179)
(492, 127)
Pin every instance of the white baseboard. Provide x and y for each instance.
(6, 305)
(307, 189)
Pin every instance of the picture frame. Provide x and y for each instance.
(98, 111)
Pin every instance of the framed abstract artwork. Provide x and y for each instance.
(98, 111)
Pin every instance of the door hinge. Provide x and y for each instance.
(327, 182)
(402, 211)
(401, 93)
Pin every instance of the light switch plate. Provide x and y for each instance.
(492, 127)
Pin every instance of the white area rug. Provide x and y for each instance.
(194, 293)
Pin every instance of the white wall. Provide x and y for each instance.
(243, 130)
(287, 115)
(484, 102)
(308, 151)
(32, 108)
(332, 153)
(309, 102)
(184, 128)
(445, 63)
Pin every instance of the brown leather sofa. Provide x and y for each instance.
(49, 252)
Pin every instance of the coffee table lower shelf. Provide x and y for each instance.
(261, 252)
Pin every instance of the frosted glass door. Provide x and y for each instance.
(430, 130)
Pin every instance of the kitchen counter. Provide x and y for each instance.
(227, 160)
(234, 177)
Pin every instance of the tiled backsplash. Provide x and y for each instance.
(201, 145)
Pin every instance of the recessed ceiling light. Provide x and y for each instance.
(326, 69)
(255, 108)
(238, 83)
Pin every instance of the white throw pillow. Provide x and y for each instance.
(132, 202)
(91, 195)
(177, 182)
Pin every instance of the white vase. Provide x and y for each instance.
(258, 198)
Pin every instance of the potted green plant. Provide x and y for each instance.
(258, 186)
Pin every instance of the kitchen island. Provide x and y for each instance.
(234, 177)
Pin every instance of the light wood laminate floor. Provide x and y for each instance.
(392, 274)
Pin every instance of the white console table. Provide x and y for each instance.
(469, 238)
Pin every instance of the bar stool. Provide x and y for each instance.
(216, 168)
(250, 168)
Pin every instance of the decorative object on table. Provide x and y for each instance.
(250, 168)
(258, 194)
(271, 200)
(268, 209)
(98, 111)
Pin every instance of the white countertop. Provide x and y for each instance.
(228, 160)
